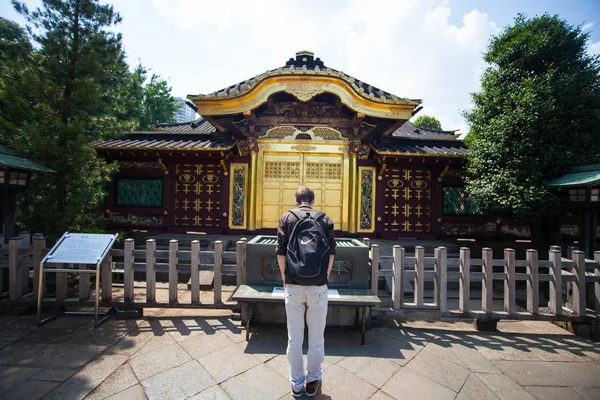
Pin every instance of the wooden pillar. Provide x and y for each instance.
(173, 276)
(195, 271)
(442, 278)
(352, 192)
(510, 304)
(578, 296)
(150, 271)
(15, 277)
(39, 243)
(465, 279)
(533, 286)
(218, 273)
(252, 191)
(128, 271)
(555, 300)
(397, 281)
(374, 268)
(488, 280)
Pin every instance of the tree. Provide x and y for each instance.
(428, 122)
(71, 90)
(148, 102)
(536, 115)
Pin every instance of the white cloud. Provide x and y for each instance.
(587, 26)
(594, 48)
(408, 48)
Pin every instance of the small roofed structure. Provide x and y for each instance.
(580, 187)
(15, 171)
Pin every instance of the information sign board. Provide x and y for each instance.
(81, 248)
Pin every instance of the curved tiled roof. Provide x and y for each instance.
(306, 64)
(199, 125)
(165, 141)
(422, 148)
(408, 130)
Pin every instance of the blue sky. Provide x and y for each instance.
(427, 49)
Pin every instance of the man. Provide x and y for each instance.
(301, 297)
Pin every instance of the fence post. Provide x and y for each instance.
(597, 284)
(397, 281)
(442, 278)
(244, 264)
(128, 270)
(555, 301)
(420, 275)
(26, 236)
(367, 242)
(84, 283)
(510, 303)
(218, 274)
(106, 268)
(173, 278)
(374, 268)
(195, 271)
(465, 279)
(15, 277)
(39, 243)
(488, 278)
(578, 295)
(533, 287)
(239, 263)
(150, 271)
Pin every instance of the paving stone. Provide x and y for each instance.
(408, 384)
(381, 396)
(375, 371)
(257, 383)
(553, 393)
(178, 383)
(156, 342)
(280, 365)
(29, 390)
(202, 345)
(439, 370)
(43, 355)
(475, 389)
(4, 344)
(133, 341)
(123, 378)
(588, 393)
(54, 375)
(159, 360)
(340, 384)
(133, 393)
(397, 351)
(265, 345)
(473, 359)
(185, 328)
(504, 387)
(16, 329)
(225, 363)
(106, 334)
(83, 382)
(212, 393)
(419, 337)
(528, 373)
(232, 329)
(12, 376)
(4, 318)
(444, 351)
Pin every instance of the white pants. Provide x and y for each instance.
(313, 300)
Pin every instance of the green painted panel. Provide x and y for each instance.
(140, 192)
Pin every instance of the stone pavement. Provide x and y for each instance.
(178, 354)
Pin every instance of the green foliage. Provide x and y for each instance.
(536, 115)
(148, 102)
(57, 101)
(428, 122)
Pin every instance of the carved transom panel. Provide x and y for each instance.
(323, 171)
(282, 170)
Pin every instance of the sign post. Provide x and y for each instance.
(76, 248)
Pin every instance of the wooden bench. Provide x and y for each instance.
(360, 299)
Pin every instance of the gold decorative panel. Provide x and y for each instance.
(283, 173)
(282, 170)
(407, 200)
(366, 199)
(324, 170)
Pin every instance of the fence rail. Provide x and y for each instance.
(431, 279)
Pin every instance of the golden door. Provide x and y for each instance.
(283, 173)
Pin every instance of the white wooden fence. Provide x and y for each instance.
(22, 258)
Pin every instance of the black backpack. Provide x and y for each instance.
(308, 249)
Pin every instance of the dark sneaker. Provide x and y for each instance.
(296, 393)
(313, 387)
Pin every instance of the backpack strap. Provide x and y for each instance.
(297, 213)
(319, 214)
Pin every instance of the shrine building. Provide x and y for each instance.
(237, 167)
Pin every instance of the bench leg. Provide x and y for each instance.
(249, 312)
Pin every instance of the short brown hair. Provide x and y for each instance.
(305, 195)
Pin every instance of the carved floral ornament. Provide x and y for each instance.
(303, 88)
